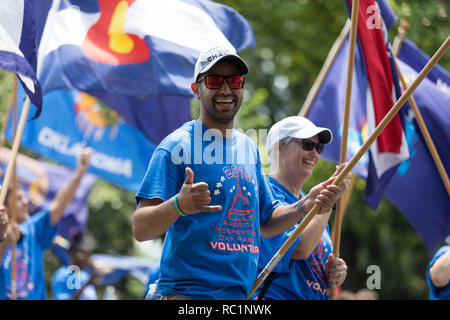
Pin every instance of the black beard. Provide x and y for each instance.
(216, 115)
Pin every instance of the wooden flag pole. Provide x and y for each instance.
(14, 150)
(343, 151)
(402, 29)
(324, 71)
(14, 206)
(349, 166)
(345, 200)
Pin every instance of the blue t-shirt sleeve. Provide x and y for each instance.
(267, 198)
(435, 292)
(45, 232)
(275, 243)
(163, 178)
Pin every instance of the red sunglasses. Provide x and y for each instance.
(213, 81)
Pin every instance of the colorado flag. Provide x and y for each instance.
(133, 47)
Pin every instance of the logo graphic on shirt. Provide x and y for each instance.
(237, 230)
(240, 209)
(316, 263)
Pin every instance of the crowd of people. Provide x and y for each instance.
(222, 218)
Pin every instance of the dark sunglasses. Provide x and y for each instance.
(213, 81)
(308, 145)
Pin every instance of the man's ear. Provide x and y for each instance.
(195, 89)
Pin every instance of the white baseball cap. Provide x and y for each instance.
(296, 127)
(209, 58)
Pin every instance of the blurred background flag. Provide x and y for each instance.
(117, 267)
(133, 47)
(417, 189)
(154, 116)
(41, 181)
(330, 101)
(112, 267)
(416, 59)
(18, 50)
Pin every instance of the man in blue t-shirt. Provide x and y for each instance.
(205, 187)
(438, 273)
(32, 235)
(308, 268)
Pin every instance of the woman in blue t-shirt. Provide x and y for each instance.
(309, 268)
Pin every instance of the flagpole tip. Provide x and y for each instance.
(404, 26)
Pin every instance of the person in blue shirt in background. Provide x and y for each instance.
(438, 273)
(77, 281)
(205, 187)
(33, 235)
(308, 269)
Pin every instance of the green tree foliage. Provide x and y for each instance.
(293, 38)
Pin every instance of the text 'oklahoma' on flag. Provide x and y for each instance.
(133, 47)
(18, 46)
(120, 152)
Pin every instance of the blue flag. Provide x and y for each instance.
(120, 152)
(41, 181)
(327, 109)
(18, 50)
(117, 267)
(133, 47)
(113, 268)
(154, 116)
(417, 189)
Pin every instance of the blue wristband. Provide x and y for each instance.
(175, 203)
